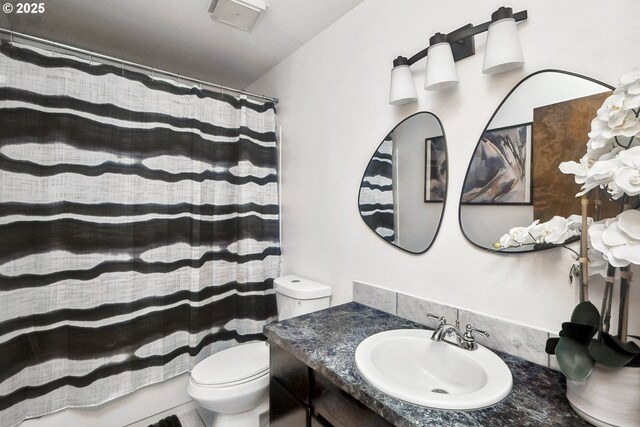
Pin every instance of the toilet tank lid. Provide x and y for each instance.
(298, 287)
(232, 364)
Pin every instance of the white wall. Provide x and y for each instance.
(334, 112)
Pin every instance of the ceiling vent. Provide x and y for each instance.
(242, 14)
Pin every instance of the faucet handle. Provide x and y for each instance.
(470, 330)
(441, 319)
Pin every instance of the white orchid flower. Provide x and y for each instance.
(602, 170)
(556, 231)
(631, 80)
(631, 102)
(578, 169)
(518, 236)
(595, 236)
(628, 127)
(618, 239)
(598, 142)
(597, 263)
(614, 191)
(598, 125)
(630, 89)
(618, 116)
(612, 112)
(581, 170)
(607, 154)
(601, 173)
(627, 177)
(627, 181)
(630, 157)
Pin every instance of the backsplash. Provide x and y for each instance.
(512, 338)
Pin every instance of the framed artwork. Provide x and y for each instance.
(435, 172)
(500, 170)
(558, 132)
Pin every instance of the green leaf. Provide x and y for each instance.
(629, 347)
(579, 331)
(550, 348)
(586, 313)
(574, 359)
(612, 352)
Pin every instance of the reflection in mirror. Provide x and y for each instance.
(513, 176)
(403, 190)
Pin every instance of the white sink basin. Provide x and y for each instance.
(408, 365)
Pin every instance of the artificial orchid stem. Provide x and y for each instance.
(623, 315)
(584, 257)
(607, 299)
(633, 136)
(597, 203)
(625, 283)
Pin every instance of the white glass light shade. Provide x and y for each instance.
(441, 68)
(402, 90)
(503, 51)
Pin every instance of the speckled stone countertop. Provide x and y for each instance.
(326, 341)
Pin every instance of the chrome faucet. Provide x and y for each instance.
(466, 341)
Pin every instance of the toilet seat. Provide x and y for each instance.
(233, 366)
(232, 383)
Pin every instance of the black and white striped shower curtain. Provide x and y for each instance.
(376, 192)
(138, 229)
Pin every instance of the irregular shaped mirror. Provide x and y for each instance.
(513, 177)
(404, 187)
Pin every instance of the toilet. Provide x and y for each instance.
(234, 383)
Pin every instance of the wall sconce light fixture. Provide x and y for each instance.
(502, 53)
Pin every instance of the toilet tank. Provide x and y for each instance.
(296, 296)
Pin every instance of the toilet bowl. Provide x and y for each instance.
(234, 383)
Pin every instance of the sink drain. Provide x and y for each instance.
(439, 390)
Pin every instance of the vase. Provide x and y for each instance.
(608, 397)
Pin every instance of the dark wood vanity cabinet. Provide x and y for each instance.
(302, 397)
(289, 390)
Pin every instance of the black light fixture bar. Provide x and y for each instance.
(461, 40)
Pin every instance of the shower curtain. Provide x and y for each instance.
(139, 229)
(376, 192)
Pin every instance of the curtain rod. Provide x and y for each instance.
(12, 36)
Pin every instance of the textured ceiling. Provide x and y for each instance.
(180, 36)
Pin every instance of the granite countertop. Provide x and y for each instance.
(326, 341)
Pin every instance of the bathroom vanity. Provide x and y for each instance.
(302, 396)
(314, 380)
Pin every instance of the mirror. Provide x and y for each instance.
(513, 176)
(404, 186)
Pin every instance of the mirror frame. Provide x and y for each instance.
(466, 175)
(446, 186)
